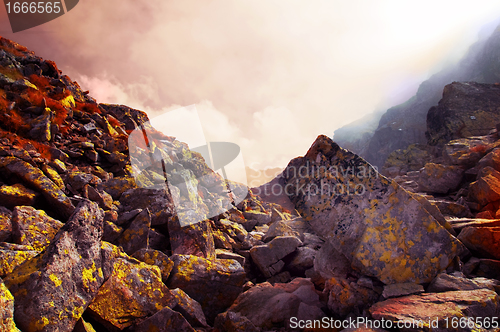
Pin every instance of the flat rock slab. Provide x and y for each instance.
(428, 307)
(382, 230)
(35, 178)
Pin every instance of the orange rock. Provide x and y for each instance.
(485, 215)
(487, 188)
(439, 307)
(483, 240)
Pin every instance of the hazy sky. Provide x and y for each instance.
(268, 75)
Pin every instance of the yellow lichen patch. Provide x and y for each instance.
(88, 276)
(68, 102)
(38, 325)
(10, 259)
(55, 280)
(120, 300)
(21, 274)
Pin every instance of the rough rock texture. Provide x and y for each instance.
(214, 284)
(482, 240)
(33, 227)
(136, 236)
(266, 305)
(487, 188)
(35, 178)
(268, 257)
(157, 258)
(329, 238)
(439, 179)
(473, 113)
(133, 291)
(54, 289)
(189, 308)
(165, 320)
(375, 223)
(473, 303)
(346, 297)
(6, 310)
(446, 282)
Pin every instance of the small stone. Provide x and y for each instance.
(395, 290)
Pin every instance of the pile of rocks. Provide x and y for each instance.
(93, 239)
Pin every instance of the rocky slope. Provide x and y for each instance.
(405, 124)
(93, 239)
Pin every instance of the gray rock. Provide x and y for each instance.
(395, 290)
(268, 257)
(439, 179)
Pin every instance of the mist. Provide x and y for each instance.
(268, 75)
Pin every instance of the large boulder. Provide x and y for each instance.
(133, 291)
(378, 226)
(213, 284)
(53, 290)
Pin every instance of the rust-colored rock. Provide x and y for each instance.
(439, 307)
(487, 188)
(157, 258)
(165, 320)
(5, 224)
(189, 308)
(482, 240)
(196, 239)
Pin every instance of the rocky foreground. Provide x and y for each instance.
(91, 238)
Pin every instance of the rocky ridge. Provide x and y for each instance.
(405, 125)
(92, 239)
